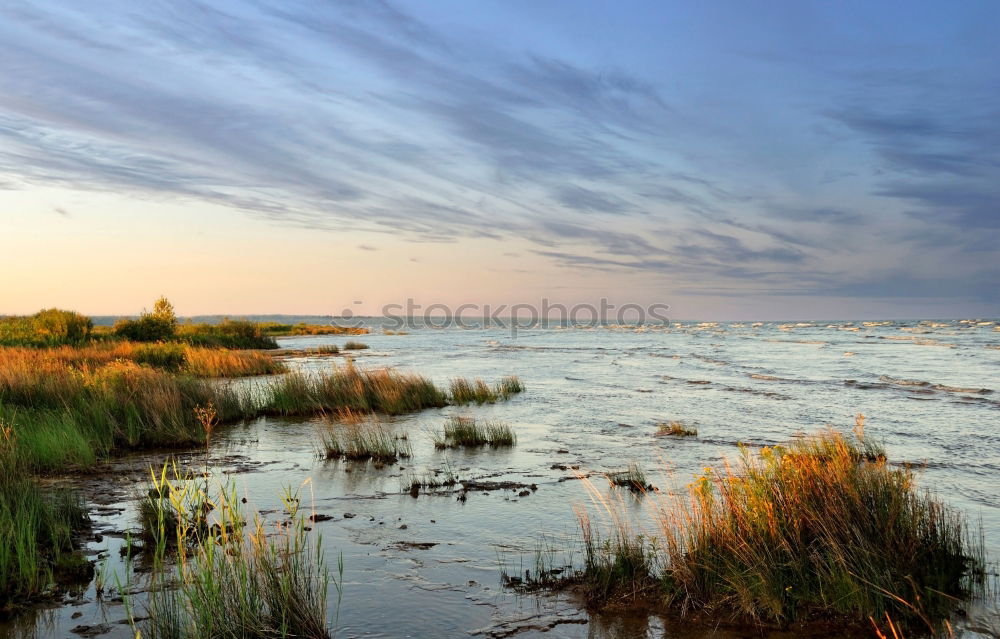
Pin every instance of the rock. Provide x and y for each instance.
(349, 515)
(318, 517)
(91, 631)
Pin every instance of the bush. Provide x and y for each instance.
(158, 326)
(50, 327)
(147, 328)
(63, 327)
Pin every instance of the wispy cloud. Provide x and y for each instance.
(373, 116)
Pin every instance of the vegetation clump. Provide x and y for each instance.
(430, 483)
(36, 532)
(172, 357)
(675, 429)
(350, 388)
(275, 329)
(632, 478)
(362, 442)
(64, 416)
(157, 326)
(354, 346)
(228, 333)
(466, 431)
(819, 528)
(50, 327)
(464, 391)
(269, 580)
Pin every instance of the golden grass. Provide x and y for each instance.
(193, 360)
(822, 528)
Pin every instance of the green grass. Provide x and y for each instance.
(36, 533)
(64, 418)
(236, 576)
(466, 431)
(464, 391)
(632, 478)
(675, 429)
(822, 528)
(361, 442)
(234, 334)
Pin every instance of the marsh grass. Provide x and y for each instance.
(361, 442)
(325, 349)
(354, 346)
(235, 334)
(545, 571)
(464, 391)
(675, 429)
(276, 329)
(175, 506)
(632, 478)
(65, 417)
(823, 527)
(170, 357)
(233, 579)
(350, 388)
(466, 431)
(36, 532)
(430, 482)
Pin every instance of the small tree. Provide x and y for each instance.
(164, 310)
(158, 326)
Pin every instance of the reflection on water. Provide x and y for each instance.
(430, 566)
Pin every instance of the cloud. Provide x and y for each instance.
(375, 117)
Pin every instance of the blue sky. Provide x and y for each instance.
(732, 159)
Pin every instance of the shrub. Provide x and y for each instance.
(147, 328)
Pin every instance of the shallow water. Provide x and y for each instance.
(931, 391)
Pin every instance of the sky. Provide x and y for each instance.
(735, 160)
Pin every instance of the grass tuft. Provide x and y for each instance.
(466, 431)
(675, 429)
(231, 578)
(350, 388)
(363, 442)
(464, 391)
(632, 478)
(823, 527)
(354, 346)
